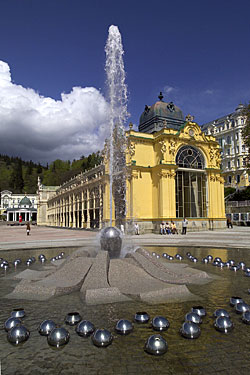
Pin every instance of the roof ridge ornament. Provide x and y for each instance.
(161, 96)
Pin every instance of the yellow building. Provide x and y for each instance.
(172, 171)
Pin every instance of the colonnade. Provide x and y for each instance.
(26, 215)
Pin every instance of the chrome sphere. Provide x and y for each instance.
(234, 300)
(5, 262)
(46, 327)
(164, 255)
(159, 323)
(142, 317)
(157, 256)
(205, 260)
(28, 263)
(102, 338)
(228, 264)
(180, 257)
(18, 334)
(58, 337)
(154, 254)
(215, 263)
(199, 310)
(124, 327)
(41, 256)
(111, 241)
(43, 260)
(231, 262)
(242, 307)
(221, 264)
(190, 330)
(156, 345)
(193, 317)
(217, 259)
(11, 322)
(73, 318)
(246, 317)
(234, 268)
(247, 269)
(33, 259)
(242, 265)
(247, 274)
(223, 324)
(53, 259)
(221, 312)
(18, 313)
(177, 256)
(16, 262)
(195, 260)
(188, 254)
(210, 258)
(6, 266)
(85, 328)
(170, 257)
(62, 253)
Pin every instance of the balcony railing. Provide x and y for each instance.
(238, 203)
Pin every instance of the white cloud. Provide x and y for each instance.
(168, 89)
(209, 92)
(43, 129)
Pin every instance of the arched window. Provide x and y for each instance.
(190, 157)
(190, 183)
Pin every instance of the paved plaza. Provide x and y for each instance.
(16, 238)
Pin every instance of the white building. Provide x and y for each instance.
(227, 131)
(18, 207)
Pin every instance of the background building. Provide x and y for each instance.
(172, 171)
(18, 207)
(227, 131)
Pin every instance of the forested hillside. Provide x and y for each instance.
(21, 176)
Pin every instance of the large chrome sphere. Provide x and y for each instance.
(73, 318)
(247, 274)
(85, 328)
(18, 334)
(46, 327)
(242, 307)
(111, 241)
(170, 257)
(164, 255)
(190, 330)
(210, 258)
(199, 310)
(11, 322)
(28, 263)
(205, 260)
(16, 262)
(234, 268)
(193, 317)
(242, 265)
(102, 338)
(159, 323)
(141, 317)
(18, 313)
(58, 337)
(158, 256)
(221, 264)
(221, 312)
(247, 269)
(217, 259)
(156, 345)
(231, 262)
(246, 317)
(234, 300)
(124, 327)
(33, 259)
(223, 324)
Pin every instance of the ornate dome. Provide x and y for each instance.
(161, 115)
(25, 202)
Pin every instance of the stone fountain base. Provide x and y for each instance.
(101, 280)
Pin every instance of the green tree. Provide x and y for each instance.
(17, 182)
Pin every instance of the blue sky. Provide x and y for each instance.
(196, 52)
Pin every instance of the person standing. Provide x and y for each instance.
(122, 229)
(28, 229)
(184, 225)
(136, 229)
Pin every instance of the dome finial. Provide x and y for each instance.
(160, 96)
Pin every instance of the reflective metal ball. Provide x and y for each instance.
(28, 263)
(205, 260)
(221, 264)
(195, 260)
(6, 266)
(221, 312)
(156, 345)
(190, 330)
(159, 323)
(154, 254)
(164, 255)
(231, 262)
(142, 317)
(85, 328)
(234, 268)
(247, 269)
(177, 256)
(247, 274)
(111, 241)
(58, 337)
(215, 263)
(217, 259)
(62, 253)
(170, 257)
(242, 307)
(124, 327)
(199, 310)
(157, 256)
(102, 338)
(46, 327)
(210, 258)
(11, 322)
(193, 317)
(246, 317)
(188, 254)
(242, 265)
(223, 324)
(18, 334)
(18, 313)
(73, 318)
(234, 300)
